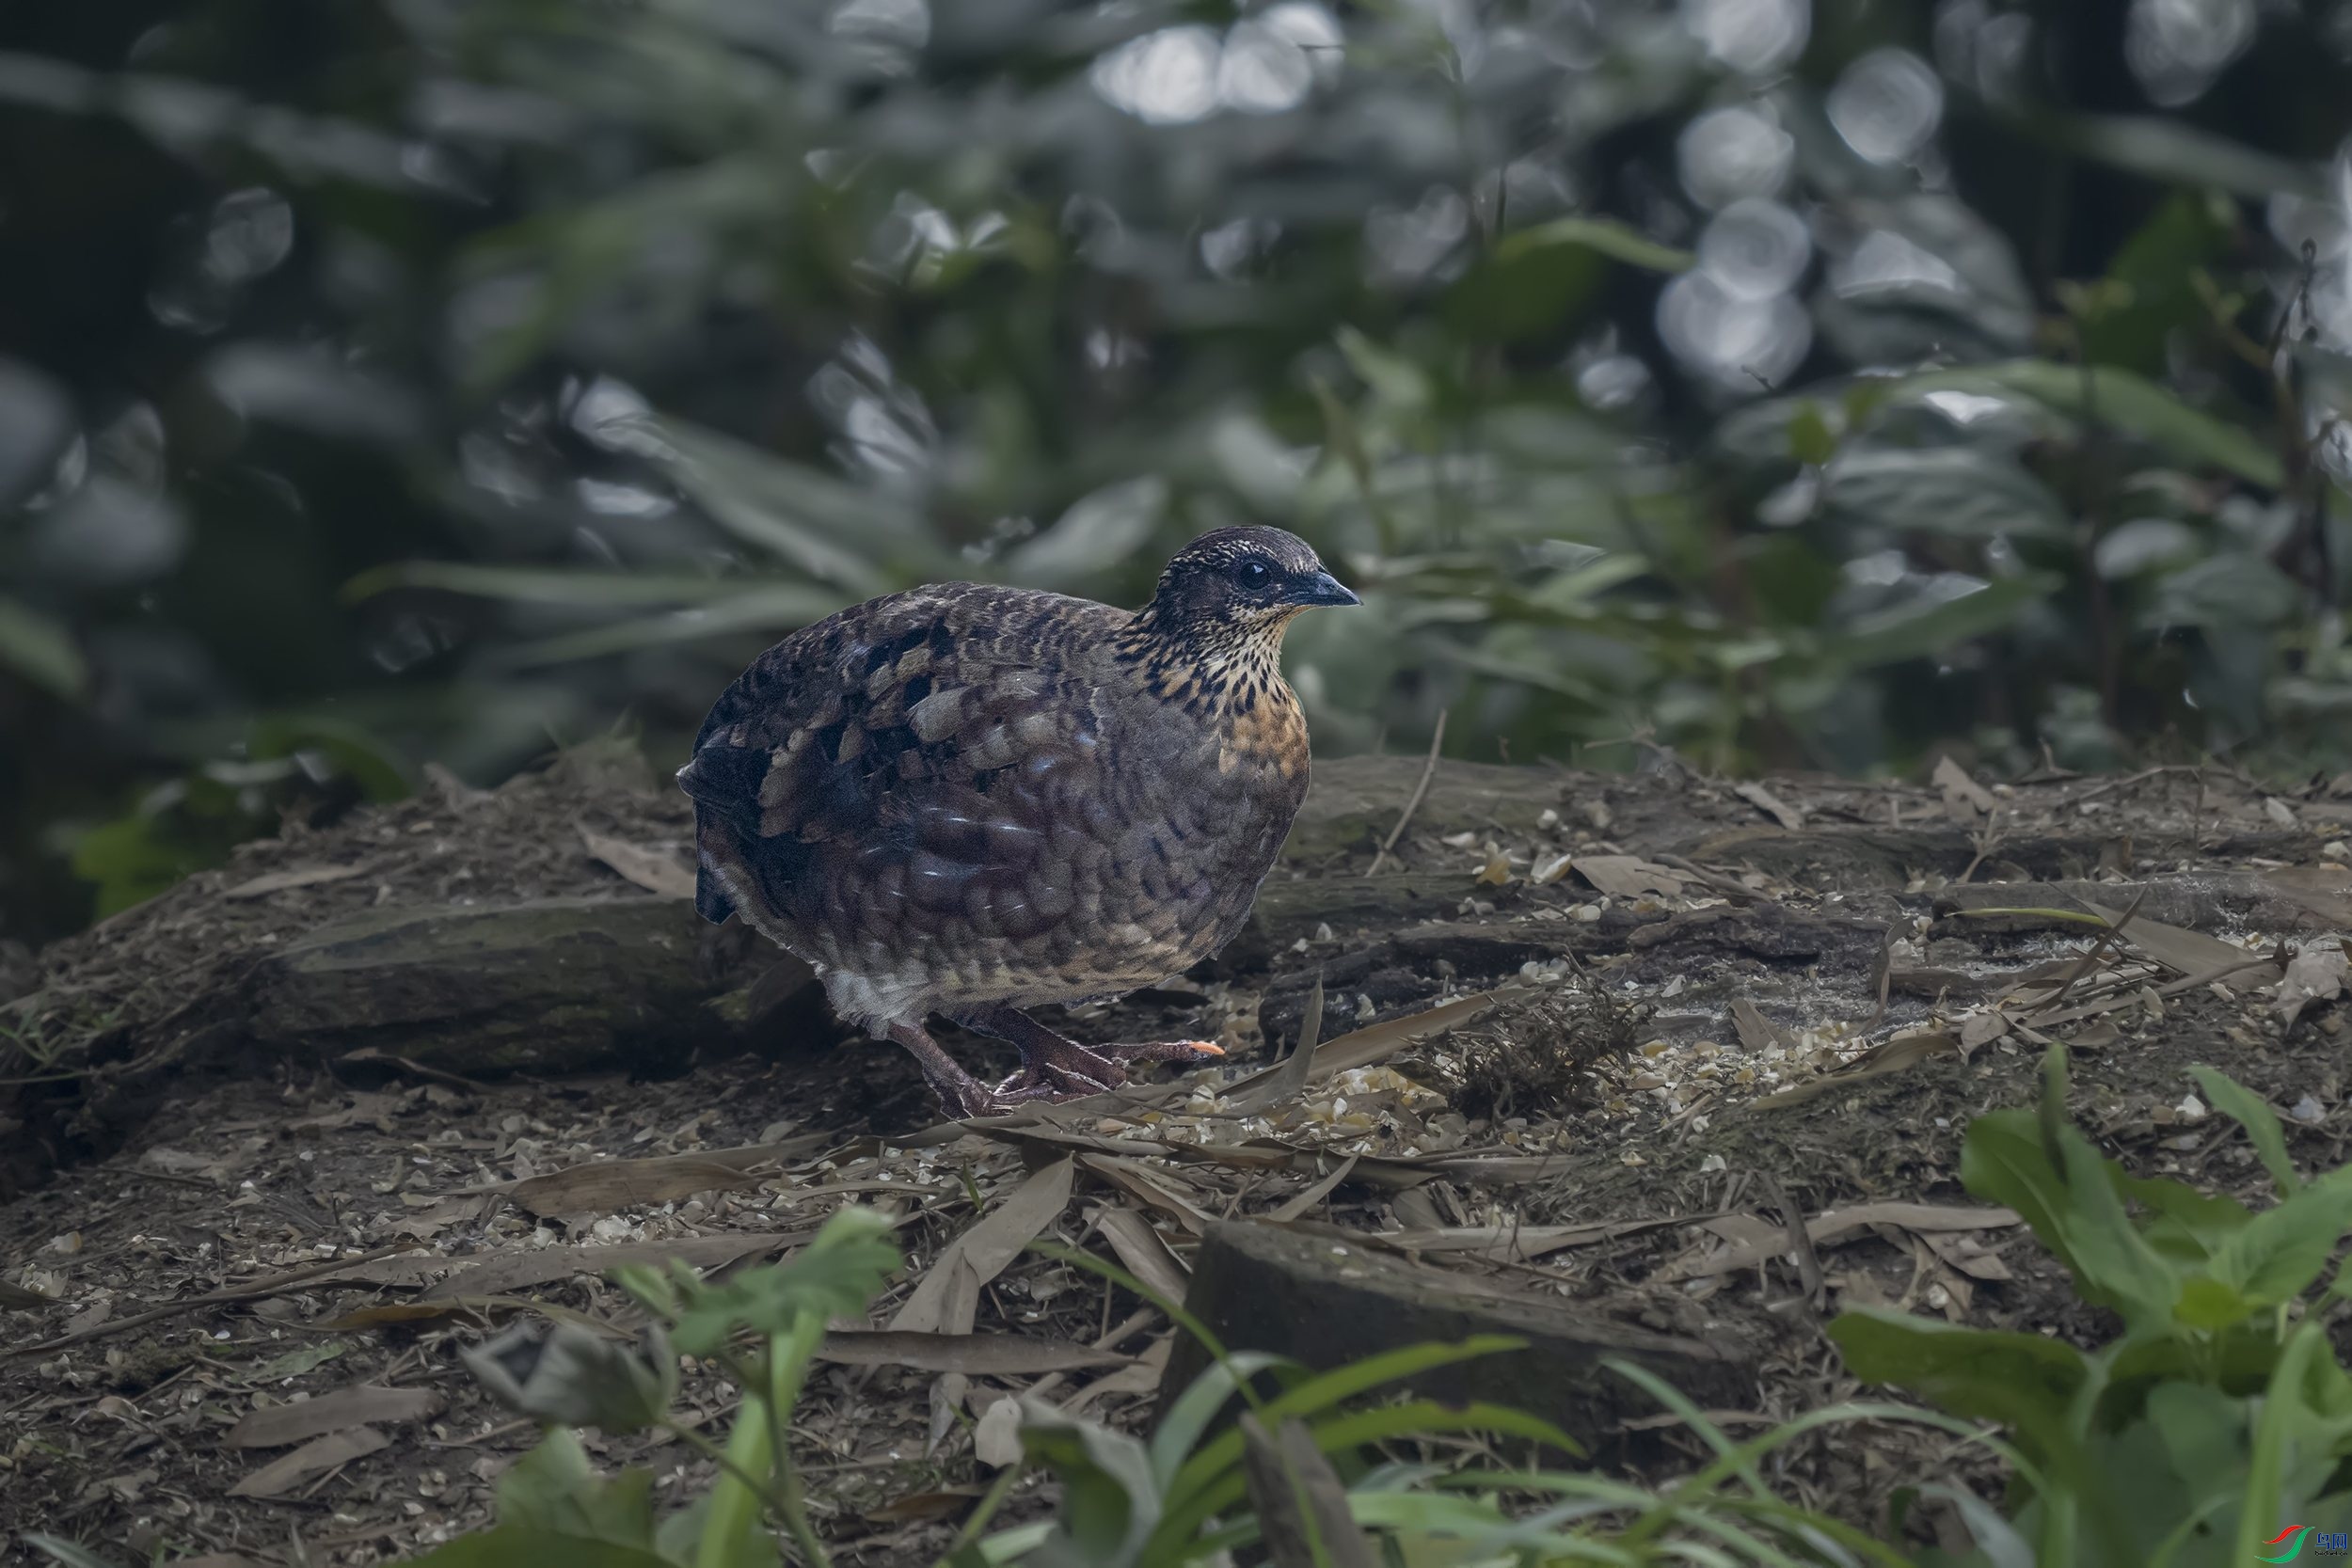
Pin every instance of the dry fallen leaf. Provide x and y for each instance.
(1141, 1377)
(1753, 1241)
(367, 1108)
(1964, 800)
(361, 1405)
(1626, 876)
(1154, 1191)
(1307, 1197)
(503, 1273)
(1965, 1254)
(1377, 1042)
(946, 1298)
(2182, 950)
(974, 1354)
(2316, 975)
(2326, 892)
(1769, 803)
(601, 1186)
(1510, 1243)
(1982, 1029)
(179, 1162)
(1288, 1081)
(651, 869)
(1757, 1032)
(1142, 1251)
(318, 1456)
(996, 1441)
(1895, 1055)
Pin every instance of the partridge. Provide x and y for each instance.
(966, 800)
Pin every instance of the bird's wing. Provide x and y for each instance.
(931, 760)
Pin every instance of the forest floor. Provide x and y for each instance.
(298, 1130)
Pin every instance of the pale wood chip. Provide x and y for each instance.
(1964, 800)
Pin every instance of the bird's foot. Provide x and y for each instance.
(1060, 1069)
(965, 1097)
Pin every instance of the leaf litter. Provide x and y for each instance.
(1784, 1010)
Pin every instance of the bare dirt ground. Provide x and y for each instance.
(1674, 1057)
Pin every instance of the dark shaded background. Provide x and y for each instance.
(1793, 384)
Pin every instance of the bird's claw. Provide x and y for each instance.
(1071, 1071)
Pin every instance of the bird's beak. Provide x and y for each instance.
(1320, 589)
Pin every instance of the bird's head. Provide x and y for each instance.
(1241, 584)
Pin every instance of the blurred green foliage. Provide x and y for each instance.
(1797, 381)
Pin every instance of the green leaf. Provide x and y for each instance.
(1530, 292)
(2233, 591)
(1220, 1456)
(366, 759)
(2023, 1379)
(1343, 1434)
(579, 1377)
(555, 1488)
(2210, 1304)
(835, 1275)
(817, 523)
(1110, 1503)
(1181, 1426)
(2277, 1255)
(2284, 1434)
(1605, 236)
(40, 650)
(2251, 1112)
(1393, 379)
(777, 609)
(133, 859)
(1928, 628)
(1810, 439)
(2151, 273)
(2077, 1211)
(1957, 491)
(562, 586)
(1098, 533)
(2173, 150)
(2131, 404)
(2183, 1223)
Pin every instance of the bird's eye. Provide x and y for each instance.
(1253, 573)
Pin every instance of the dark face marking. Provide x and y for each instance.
(1242, 578)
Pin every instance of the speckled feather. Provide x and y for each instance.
(968, 794)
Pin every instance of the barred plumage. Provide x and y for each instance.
(967, 800)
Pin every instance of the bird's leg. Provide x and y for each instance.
(1058, 1066)
(962, 1095)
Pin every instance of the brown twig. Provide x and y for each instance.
(252, 1290)
(1739, 893)
(2091, 956)
(1428, 771)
